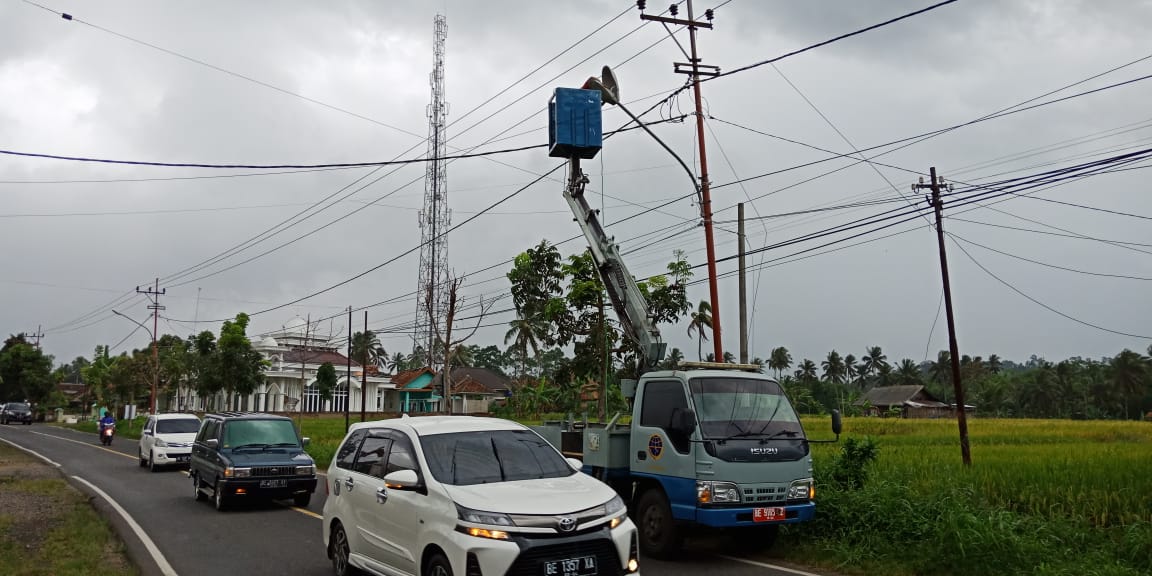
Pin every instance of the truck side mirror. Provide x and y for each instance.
(837, 424)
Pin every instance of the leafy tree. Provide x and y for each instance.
(239, 367)
(700, 319)
(490, 358)
(25, 371)
(326, 381)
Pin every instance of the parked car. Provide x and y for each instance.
(167, 440)
(16, 412)
(469, 495)
(246, 455)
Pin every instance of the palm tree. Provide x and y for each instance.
(366, 349)
(908, 373)
(464, 356)
(701, 319)
(779, 360)
(759, 362)
(1129, 374)
(994, 363)
(523, 332)
(674, 358)
(806, 371)
(833, 368)
(729, 358)
(851, 370)
(942, 368)
(398, 362)
(873, 359)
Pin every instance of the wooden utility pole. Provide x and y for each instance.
(696, 69)
(154, 295)
(348, 374)
(364, 375)
(38, 335)
(953, 347)
(743, 286)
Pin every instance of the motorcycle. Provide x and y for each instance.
(106, 434)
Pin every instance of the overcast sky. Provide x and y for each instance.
(76, 88)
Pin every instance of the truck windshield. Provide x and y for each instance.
(466, 458)
(16, 406)
(743, 407)
(263, 433)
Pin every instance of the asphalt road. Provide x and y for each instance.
(270, 539)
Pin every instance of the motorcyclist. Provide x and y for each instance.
(106, 421)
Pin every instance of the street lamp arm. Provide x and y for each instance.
(130, 319)
(691, 175)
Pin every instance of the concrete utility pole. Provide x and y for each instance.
(38, 335)
(348, 374)
(695, 69)
(154, 295)
(364, 376)
(743, 286)
(953, 347)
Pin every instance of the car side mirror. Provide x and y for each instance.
(304, 441)
(684, 421)
(837, 424)
(575, 463)
(402, 480)
(147, 432)
(212, 442)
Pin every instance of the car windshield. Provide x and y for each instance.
(743, 407)
(466, 458)
(17, 406)
(178, 426)
(261, 433)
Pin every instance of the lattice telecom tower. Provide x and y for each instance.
(435, 218)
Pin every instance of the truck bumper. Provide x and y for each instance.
(730, 517)
(253, 488)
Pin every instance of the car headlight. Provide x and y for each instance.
(616, 510)
(304, 470)
(231, 472)
(479, 517)
(709, 492)
(802, 489)
(161, 443)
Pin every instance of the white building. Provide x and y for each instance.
(294, 357)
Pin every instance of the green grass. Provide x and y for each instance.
(1043, 497)
(55, 531)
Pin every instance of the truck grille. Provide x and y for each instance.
(273, 470)
(764, 494)
(529, 563)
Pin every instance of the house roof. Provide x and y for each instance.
(471, 387)
(491, 381)
(294, 356)
(898, 396)
(402, 379)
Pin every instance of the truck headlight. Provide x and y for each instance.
(616, 510)
(801, 489)
(230, 472)
(480, 517)
(709, 492)
(304, 470)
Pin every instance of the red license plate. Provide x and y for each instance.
(767, 514)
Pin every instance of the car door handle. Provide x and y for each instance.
(381, 495)
(348, 483)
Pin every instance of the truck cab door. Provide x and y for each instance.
(659, 450)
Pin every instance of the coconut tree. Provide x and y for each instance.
(994, 364)
(701, 319)
(851, 369)
(523, 333)
(908, 372)
(779, 360)
(873, 358)
(367, 350)
(806, 371)
(833, 368)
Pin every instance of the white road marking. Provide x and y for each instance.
(767, 565)
(157, 556)
(88, 444)
(32, 452)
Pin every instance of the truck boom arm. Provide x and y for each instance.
(627, 299)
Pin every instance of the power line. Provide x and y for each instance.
(1074, 205)
(1046, 264)
(1041, 304)
(1034, 231)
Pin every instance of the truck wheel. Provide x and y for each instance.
(196, 488)
(659, 536)
(753, 539)
(218, 498)
(302, 500)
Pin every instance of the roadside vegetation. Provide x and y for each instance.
(47, 528)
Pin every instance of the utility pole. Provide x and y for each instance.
(303, 365)
(364, 376)
(154, 295)
(743, 286)
(953, 347)
(348, 374)
(695, 69)
(38, 335)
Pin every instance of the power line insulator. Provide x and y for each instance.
(640, 4)
(709, 14)
(674, 9)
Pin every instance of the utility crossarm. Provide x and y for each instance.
(630, 305)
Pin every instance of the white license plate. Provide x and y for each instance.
(280, 483)
(583, 566)
(768, 514)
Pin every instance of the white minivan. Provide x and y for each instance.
(167, 440)
(461, 495)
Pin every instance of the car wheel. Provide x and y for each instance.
(438, 566)
(152, 463)
(218, 499)
(140, 457)
(341, 552)
(302, 500)
(196, 489)
(659, 537)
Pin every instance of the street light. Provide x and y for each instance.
(610, 94)
(156, 361)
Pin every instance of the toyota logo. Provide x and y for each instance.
(273, 471)
(566, 523)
